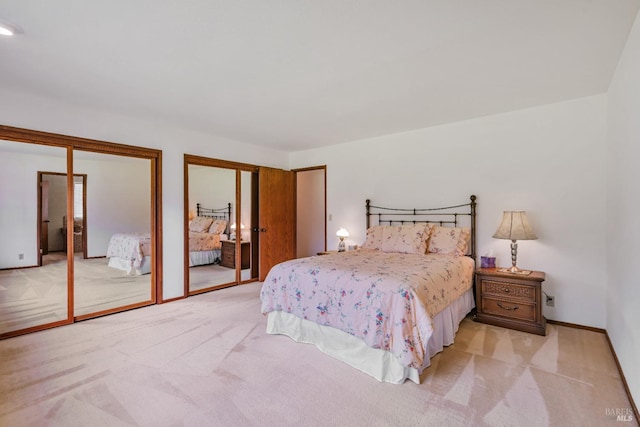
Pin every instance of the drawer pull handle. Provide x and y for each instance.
(505, 290)
(504, 307)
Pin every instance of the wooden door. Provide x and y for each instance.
(277, 224)
(44, 220)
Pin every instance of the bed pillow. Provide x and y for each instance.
(200, 224)
(374, 238)
(218, 226)
(406, 239)
(449, 241)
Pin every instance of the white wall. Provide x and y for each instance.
(547, 160)
(19, 201)
(212, 187)
(623, 225)
(39, 113)
(118, 197)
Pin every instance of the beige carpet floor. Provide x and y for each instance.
(38, 295)
(207, 361)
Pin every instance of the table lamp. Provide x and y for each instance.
(514, 226)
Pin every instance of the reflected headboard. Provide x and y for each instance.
(448, 216)
(219, 213)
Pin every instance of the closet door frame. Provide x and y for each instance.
(71, 143)
(190, 159)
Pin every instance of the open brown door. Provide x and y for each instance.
(276, 194)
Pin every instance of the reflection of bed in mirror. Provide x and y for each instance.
(130, 252)
(206, 231)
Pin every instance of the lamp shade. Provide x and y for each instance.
(342, 233)
(515, 226)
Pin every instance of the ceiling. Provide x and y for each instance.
(298, 74)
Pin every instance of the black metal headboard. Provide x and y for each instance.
(220, 213)
(445, 216)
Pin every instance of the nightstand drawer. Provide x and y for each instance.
(228, 259)
(510, 309)
(512, 290)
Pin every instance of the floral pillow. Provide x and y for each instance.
(200, 224)
(449, 241)
(374, 238)
(408, 239)
(218, 226)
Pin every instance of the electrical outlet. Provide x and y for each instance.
(20, 256)
(551, 301)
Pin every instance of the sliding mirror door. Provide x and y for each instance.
(34, 290)
(211, 201)
(113, 272)
(249, 221)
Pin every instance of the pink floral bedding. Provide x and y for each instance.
(132, 247)
(385, 299)
(203, 241)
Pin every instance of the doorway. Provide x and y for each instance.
(52, 208)
(311, 211)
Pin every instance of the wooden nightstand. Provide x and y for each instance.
(510, 300)
(327, 252)
(228, 256)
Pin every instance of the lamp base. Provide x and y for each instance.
(514, 270)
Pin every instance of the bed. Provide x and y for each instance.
(390, 306)
(206, 231)
(130, 252)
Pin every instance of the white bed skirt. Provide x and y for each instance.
(126, 265)
(204, 257)
(380, 364)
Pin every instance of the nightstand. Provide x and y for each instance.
(510, 300)
(228, 255)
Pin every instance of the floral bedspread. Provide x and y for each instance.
(385, 299)
(132, 247)
(203, 241)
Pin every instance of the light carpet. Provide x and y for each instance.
(38, 295)
(207, 361)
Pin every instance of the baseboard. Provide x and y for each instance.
(576, 326)
(634, 408)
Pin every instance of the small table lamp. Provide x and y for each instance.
(342, 233)
(514, 226)
(233, 232)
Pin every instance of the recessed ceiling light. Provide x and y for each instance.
(9, 29)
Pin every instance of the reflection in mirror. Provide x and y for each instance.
(211, 203)
(33, 194)
(247, 251)
(115, 271)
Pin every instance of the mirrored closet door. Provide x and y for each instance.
(62, 201)
(33, 259)
(114, 270)
(219, 244)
